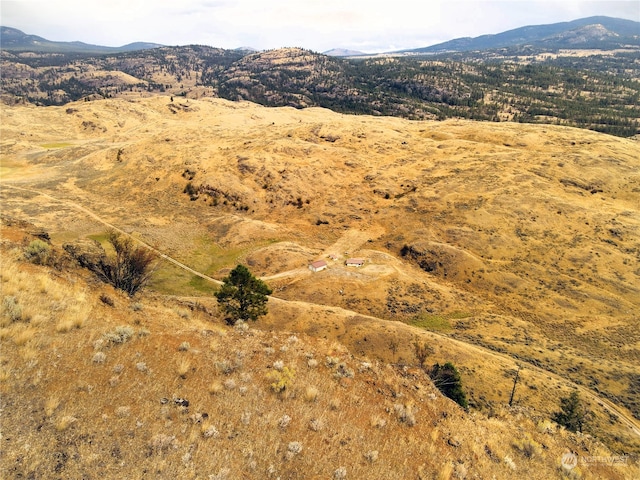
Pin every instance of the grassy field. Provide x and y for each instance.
(161, 385)
(531, 230)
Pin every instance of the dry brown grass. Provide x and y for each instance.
(216, 414)
(534, 266)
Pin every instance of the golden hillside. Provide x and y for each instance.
(95, 384)
(500, 244)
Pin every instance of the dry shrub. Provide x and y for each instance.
(310, 394)
(24, 335)
(183, 367)
(377, 421)
(51, 405)
(281, 380)
(215, 387)
(162, 443)
(406, 413)
(11, 309)
(38, 252)
(65, 422)
(527, 446)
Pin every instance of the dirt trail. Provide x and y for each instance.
(350, 239)
(288, 273)
(113, 227)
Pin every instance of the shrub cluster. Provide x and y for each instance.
(38, 252)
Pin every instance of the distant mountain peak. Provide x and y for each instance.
(593, 32)
(343, 52)
(587, 33)
(16, 40)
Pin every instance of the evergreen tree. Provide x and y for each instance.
(243, 296)
(573, 414)
(447, 378)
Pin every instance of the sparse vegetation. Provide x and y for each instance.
(310, 413)
(38, 252)
(481, 207)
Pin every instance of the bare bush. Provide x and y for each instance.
(129, 269)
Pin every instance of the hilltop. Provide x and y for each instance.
(498, 244)
(585, 85)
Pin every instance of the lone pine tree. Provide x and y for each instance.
(573, 414)
(243, 296)
(447, 378)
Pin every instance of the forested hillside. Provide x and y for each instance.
(599, 91)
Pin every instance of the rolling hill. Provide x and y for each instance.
(498, 244)
(157, 386)
(491, 233)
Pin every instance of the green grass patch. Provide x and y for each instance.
(202, 285)
(205, 256)
(101, 238)
(434, 323)
(209, 258)
(437, 322)
(9, 166)
(169, 279)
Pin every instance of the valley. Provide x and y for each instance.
(502, 245)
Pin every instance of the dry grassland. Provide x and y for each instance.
(528, 238)
(161, 388)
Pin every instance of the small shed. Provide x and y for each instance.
(318, 266)
(354, 262)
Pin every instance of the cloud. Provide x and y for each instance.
(370, 25)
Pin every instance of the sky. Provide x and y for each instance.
(320, 25)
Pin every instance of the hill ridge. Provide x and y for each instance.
(12, 39)
(550, 35)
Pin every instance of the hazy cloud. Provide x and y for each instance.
(369, 25)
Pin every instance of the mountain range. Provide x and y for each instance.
(579, 84)
(598, 32)
(591, 32)
(13, 39)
